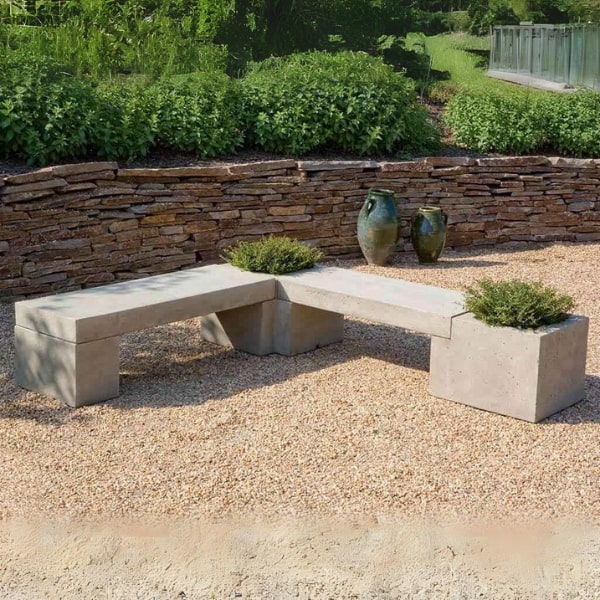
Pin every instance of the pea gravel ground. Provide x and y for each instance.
(347, 433)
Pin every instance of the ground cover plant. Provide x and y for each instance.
(516, 303)
(274, 255)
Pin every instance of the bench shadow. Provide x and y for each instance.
(446, 263)
(237, 371)
(586, 411)
(148, 379)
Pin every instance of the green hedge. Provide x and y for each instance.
(199, 112)
(574, 123)
(489, 121)
(348, 102)
(522, 122)
(123, 123)
(44, 112)
(47, 115)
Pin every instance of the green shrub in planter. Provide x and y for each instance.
(274, 255)
(517, 304)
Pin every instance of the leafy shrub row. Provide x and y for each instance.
(348, 102)
(44, 113)
(351, 102)
(521, 122)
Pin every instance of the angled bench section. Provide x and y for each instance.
(67, 345)
(502, 370)
(310, 307)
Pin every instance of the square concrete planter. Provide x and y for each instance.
(527, 374)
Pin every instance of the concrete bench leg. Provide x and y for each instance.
(248, 328)
(76, 374)
(276, 326)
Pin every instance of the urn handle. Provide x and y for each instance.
(445, 217)
(369, 206)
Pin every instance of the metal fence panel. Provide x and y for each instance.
(561, 53)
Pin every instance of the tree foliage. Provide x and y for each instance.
(485, 13)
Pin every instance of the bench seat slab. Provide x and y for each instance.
(386, 300)
(115, 309)
(275, 326)
(76, 374)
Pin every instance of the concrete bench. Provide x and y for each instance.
(67, 345)
(529, 375)
(310, 307)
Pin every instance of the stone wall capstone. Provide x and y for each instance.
(73, 226)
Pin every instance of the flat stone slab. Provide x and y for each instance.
(529, 81)
(414, 306)
(119, 308)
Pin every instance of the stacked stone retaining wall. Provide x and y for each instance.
(73, 226)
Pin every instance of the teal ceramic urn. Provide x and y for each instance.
(428, 233)
(378, 226)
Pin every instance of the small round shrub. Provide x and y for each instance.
(517, 304)
(348, 102)
(274, 255)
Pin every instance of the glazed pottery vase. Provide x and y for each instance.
(378, 226)
(428, 234)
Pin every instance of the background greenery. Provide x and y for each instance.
(117, 78)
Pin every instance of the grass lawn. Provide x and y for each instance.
(465, 57)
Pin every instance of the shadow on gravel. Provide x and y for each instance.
(216, 373)
(450, 263)
(47, 412)
(586, 411)
(213, 372)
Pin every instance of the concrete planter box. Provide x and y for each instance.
(526, 374)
